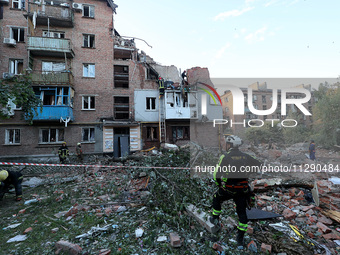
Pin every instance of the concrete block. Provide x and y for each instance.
(202, 218)
(175, 240)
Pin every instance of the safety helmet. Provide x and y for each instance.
(234, 140)
(63, 143)
(3, 175)
(78, 143)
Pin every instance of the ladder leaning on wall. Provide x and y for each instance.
(162, 131)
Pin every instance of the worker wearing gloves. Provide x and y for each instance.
(234, 184)
(8, 178)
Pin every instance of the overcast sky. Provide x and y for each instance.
(238, 38)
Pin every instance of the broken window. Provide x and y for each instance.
(18, 34)
(89, 103)
(54, 34)
(150, 103)
(12, 136)
(263, 99)
(18, 4)
(264, 107)
(16, 66)
(88, 41)
(151, 133)
(121, 108)
(54, 95)
(88, 135)
(180, 133)
(51, 135)
(88, 70)
(88, 11)
(121, 76)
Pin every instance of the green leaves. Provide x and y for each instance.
(19, 90)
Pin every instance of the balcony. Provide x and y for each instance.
(52, 47)
(52, 78)
(61, 16)
(54, 113)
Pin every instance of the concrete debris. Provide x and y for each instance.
(162, 239)
(96, 230)
(33, 182)
(169, 146)
(12, 226)
(18, 238)
(139, 232)
(202, 218)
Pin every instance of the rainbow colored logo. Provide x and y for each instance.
(209, 93)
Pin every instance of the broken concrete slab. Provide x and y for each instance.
(202, 218)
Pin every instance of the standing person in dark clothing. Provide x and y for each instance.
(63, 153)
(233, 184)
(312, 150)
(8, 178)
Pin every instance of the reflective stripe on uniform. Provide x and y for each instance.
(217, 168)
(216, 212)
(242, 226)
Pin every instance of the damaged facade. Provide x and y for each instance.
(95, 87)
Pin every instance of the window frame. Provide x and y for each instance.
(57, 135)
(184, 128)
(91, 7)
(89, 41)
(149, 103)
(8, 135)
(21, 4)
(91, 100)
(152, 133)
(13, 66)
(20, 32)
(89, 140)
(86, 66)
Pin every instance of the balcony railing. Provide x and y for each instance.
(52, 78)
(54, 113)
(54, 47)
(55, 13)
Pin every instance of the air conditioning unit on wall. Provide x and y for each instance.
(10, 41)
(7, 75)
(77, 6)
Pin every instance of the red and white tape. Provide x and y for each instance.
(101, 166)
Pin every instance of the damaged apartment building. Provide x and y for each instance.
(94, 85)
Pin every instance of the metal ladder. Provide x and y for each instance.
(162, 129)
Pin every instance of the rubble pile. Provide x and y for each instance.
(163, 211)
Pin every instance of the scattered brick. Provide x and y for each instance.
(306, 208)
(324, 229)
(72, 249)
(22, 211)
(104, 252)
(323, 219)
(217, 247)
(288, 214)
(28, 230)
(250, 230)
(252, 246)
(309, 213)
(266, 248)
(175, 240)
